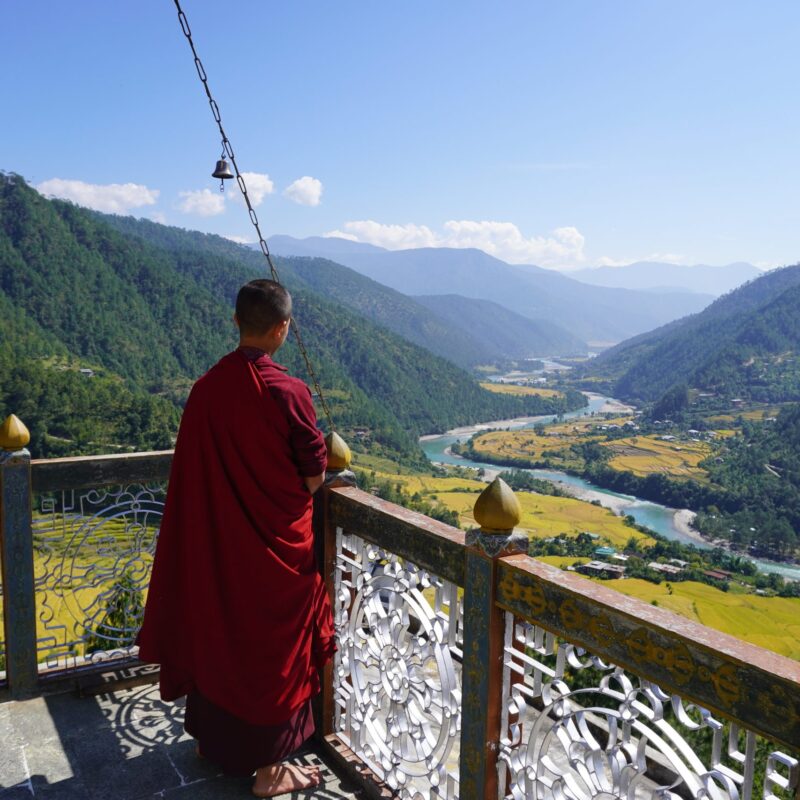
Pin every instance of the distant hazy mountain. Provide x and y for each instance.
(465, 331)
(502, 330)
(591, 313)
(392, 309)
(656, 275)
(319, 246)
(746, 343)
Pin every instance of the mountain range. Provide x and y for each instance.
(745, 344)
(467, 332)
(661, 276)
(591, 313)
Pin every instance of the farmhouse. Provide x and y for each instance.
(600, 569)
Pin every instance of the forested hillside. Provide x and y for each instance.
(391, 309)
(149, 309)
(746, 344)
(762, 471)
(503, 331)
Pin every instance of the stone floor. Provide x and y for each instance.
(126, 745)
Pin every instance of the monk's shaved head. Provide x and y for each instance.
(261, 305)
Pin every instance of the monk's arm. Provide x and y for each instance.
(313, 482)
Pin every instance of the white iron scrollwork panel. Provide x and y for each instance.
(577, 728)
(397, 674)
(93, 554)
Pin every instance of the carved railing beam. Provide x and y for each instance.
(431, 544)
(749, 685)
(94, 472)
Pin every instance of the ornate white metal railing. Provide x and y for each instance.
(397, 674)
(576, 727)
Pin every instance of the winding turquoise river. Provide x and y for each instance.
(658, 518)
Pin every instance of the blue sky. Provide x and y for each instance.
(565, 134)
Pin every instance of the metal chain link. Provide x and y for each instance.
(227, 150)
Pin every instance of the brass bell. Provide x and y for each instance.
(223, 171)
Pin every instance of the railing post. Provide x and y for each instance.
(16, 542)
(497, 511)
(336, 475)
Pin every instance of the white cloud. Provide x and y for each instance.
(505, 240)
(258, 184)
(239, 239)
(159, 217)
(113, 198)
(202, 202)
(664, 258)
(563, 247)
(607, 261)
(351, 237)
(306, 191)
(392, 237)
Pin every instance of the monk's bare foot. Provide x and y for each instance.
(282, 778)
(198, 753)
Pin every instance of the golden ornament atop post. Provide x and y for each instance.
(339, 455)
(497, 510)
(13, 433)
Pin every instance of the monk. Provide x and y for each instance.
(237, 614)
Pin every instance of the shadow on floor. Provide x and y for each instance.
(126, 745)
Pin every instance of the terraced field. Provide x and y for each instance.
(770, 622)
(517, 444)
(543, 516)
(510, 388)
(643, 455)
(531, 446)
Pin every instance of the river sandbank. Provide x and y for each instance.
(610, 405)
(684, 522)
(471, 430)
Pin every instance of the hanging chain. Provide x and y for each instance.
(227, 150)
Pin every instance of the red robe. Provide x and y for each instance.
(236, 607)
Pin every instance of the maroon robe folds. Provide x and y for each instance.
(237, 610)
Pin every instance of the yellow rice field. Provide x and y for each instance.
(643, 455)
(516, 444)
(510, 388)
(544, 517)
(769, 622)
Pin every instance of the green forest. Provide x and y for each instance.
(148, 309)
(744, 345)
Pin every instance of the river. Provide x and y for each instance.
(669, 522)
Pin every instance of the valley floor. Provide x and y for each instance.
(770, 622)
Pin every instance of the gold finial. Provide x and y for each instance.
(497, 510)
(13, 433)
(338, 452)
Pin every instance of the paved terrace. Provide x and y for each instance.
(126, 745)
